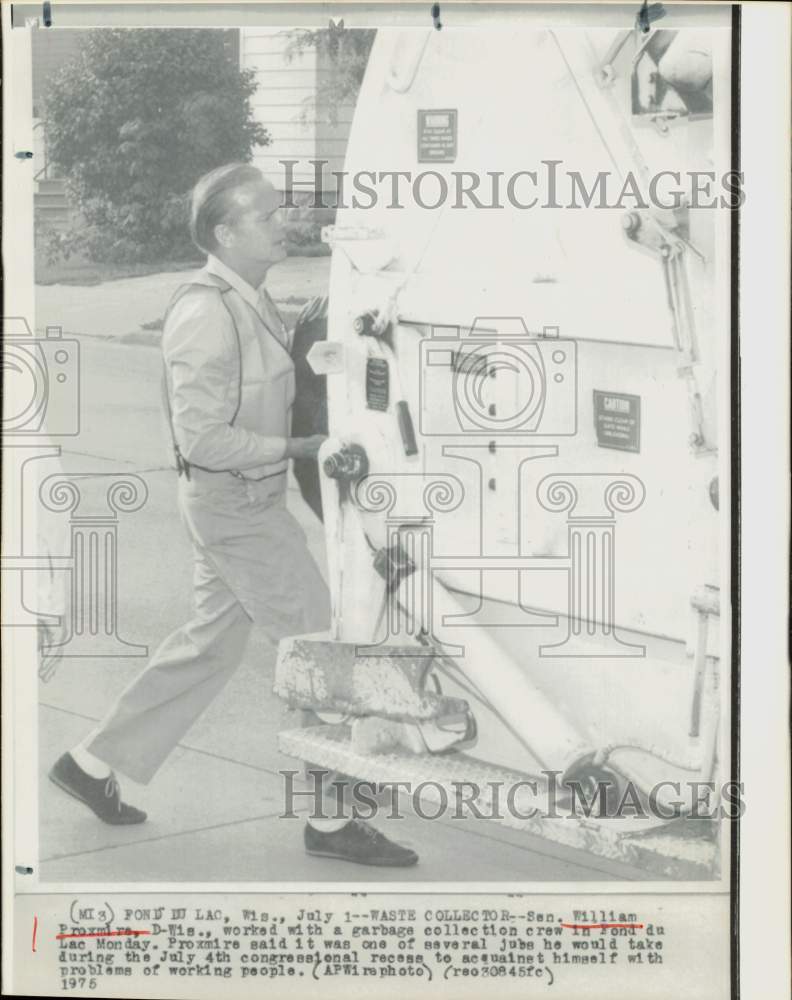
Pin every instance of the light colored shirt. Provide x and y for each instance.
(258, 298)
(202, 357)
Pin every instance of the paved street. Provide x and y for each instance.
(116, 310)
(213, 808)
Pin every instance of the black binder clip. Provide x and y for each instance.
(647, 14)
(46, 16)
(182, 465)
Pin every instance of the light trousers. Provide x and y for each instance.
(252, 566)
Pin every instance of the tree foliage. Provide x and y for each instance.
(343, 53)
(133, 121)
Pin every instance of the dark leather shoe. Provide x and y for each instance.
(360, 843)
(101, 795)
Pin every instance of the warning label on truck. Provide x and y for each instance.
(617, 419)
(437, 136)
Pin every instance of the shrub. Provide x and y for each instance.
(133, 122)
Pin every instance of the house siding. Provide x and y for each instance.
(51, 51)
(288, 103)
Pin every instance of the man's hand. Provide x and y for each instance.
(305, 447)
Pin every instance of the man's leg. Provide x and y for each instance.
(187, 672)
(155, 711)
(274, 575)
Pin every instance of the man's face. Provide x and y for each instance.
(255, 233)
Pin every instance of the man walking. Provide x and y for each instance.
(229, 390)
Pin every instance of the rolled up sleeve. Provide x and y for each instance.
(202, 361)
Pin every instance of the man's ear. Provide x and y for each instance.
(223, 235)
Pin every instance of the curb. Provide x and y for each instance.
(152, 338)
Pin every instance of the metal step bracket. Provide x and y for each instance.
(324, 675)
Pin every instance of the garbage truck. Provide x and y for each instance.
(522, 489)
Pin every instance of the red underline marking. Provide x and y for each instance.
(35, 928)
(59, 937)
(582, 927)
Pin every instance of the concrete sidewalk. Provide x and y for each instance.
(117, 310)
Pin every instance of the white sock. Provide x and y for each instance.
(328, 825)
(90, 764)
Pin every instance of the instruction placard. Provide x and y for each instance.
(617, 419)
(437, 136)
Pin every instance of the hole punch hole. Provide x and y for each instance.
(436, 16)
(23, 870)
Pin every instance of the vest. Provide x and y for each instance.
(263, 373)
